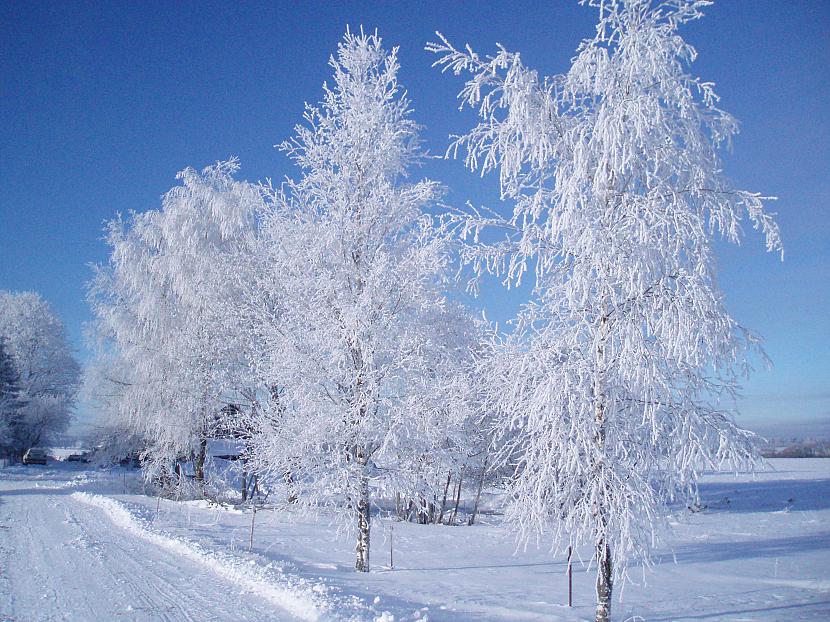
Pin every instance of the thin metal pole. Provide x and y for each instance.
(253, 516)
(570, 580)
(391, 540)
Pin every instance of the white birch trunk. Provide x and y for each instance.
(603, 550)
(363, 525)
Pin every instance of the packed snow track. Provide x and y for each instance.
(63, 559)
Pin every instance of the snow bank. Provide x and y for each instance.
(299, 600)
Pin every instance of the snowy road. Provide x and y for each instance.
(86, 545)
(62, 559)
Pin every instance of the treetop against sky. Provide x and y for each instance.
(105, 104)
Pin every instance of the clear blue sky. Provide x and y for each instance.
(102, 104)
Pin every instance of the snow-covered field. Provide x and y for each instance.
(73, 546)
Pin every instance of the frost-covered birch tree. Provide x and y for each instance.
(615, 389)
(164, 314)
(44, 371)
(348, 299)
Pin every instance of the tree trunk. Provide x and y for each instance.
(457, 496)
(444, 499)
(604, 582)
(292, 492)
(478, 492)
(244, 485)
(423, 510)
(363, 524)
(603, 549)
(199, 466)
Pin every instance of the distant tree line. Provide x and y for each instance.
(805, 449)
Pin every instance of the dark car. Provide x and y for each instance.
(35, 455)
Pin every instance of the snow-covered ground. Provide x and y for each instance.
(74, 546)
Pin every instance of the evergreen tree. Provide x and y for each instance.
(10, 401)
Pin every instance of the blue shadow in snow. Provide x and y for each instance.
(750, 549)
(766, 496)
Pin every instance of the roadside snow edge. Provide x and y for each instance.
(226, 566)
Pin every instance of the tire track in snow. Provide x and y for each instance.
(302, 605)
(174, 606)
(63, 561)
